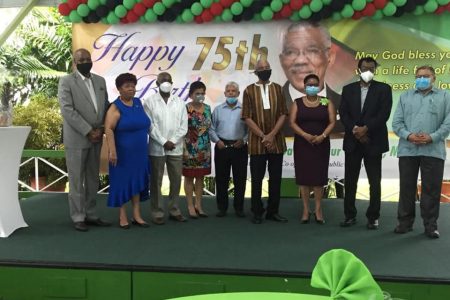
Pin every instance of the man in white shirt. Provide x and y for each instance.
(169, 126)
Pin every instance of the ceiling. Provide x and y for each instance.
(20, 3)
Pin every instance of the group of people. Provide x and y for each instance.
(147, 136)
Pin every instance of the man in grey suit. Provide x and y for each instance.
(83, 100)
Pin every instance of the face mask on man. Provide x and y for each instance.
(232, 100)
(423, 83)
(312, 90)
(199, 98)
(165, 87)
(84, 68)
(264, 75)
(366, 76)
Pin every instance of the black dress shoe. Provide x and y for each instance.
(178, 218)
(143, 225)
(276, 218)
(80, 226)
(348, 222)
(240, 214)
(372, 224)
(221, 214)
(321, 222)
(97, 222)
(257, 220)
(432, 234)
(402, 229)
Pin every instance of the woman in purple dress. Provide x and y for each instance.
(312, 118)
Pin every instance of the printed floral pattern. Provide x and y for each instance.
(197, 152)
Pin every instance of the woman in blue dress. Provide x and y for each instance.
(126, 128)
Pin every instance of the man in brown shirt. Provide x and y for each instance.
(264, 111)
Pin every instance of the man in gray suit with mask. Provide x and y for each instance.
(83, 100)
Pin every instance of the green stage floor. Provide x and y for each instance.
(226, 245)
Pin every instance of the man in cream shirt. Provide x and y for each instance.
(169, 126)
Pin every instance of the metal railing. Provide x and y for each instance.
(39, 157)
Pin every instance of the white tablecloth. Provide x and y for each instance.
(12, 140)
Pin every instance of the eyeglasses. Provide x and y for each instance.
(310, 52)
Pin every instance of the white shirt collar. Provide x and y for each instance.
(82, 76)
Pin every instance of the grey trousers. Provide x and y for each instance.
(174, 170)
(83, 168)
(432, 171)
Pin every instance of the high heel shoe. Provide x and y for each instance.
(193, 215)
(321, 222)
(126, 226)
(305, 221)
(143, 225)
(201, 214)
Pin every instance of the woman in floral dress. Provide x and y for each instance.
(197, 151)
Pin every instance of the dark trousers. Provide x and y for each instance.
(225, 160)
(258, 165)
(372, 164)
(432, 172)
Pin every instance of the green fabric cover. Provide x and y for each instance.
(255, 296)
(345, 276)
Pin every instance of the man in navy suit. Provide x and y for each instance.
(365, 109)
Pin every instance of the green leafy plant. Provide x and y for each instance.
(42, 114)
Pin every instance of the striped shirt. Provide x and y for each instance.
(253, 108)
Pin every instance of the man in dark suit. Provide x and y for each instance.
(365, 109)
(306, 49)
(83, 100)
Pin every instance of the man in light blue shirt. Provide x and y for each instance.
(422, 122)
(229, 132)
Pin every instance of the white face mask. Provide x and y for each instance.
(366, 76)
(165, 87)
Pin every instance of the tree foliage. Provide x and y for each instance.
(37, 55)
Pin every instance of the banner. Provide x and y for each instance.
(219, 53)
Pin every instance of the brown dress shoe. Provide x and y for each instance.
(178, 218)
(80, 226)
(158, 221)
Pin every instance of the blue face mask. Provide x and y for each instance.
(312, 90)
(423, 83)
(232, 100)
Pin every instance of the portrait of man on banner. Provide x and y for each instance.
(307, 48)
